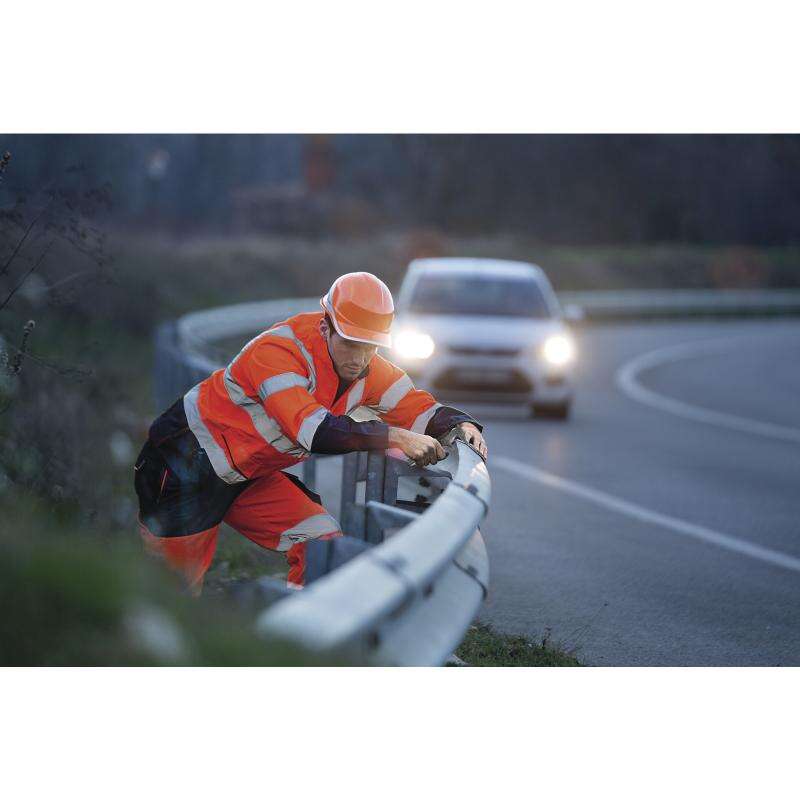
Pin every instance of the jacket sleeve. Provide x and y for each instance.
(341, 434)
(281, 377)
(397, 402)
(445, 418)
(278, 374)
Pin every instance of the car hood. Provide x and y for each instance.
(487, 331)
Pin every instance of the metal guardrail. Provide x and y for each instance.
(409, 600)
(406, 598)
(643, 304)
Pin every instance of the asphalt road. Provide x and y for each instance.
(660, 525)
(638, 535)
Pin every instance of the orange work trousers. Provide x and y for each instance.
(181, 511)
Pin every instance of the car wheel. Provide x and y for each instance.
(551, 411)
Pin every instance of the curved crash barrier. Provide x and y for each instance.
(409, 600)
(406, 581)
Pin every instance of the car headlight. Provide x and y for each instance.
(410, 344)
(558, 350)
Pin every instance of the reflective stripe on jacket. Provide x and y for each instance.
(260, 414)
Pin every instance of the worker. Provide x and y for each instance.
(219, 453)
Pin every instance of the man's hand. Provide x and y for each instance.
(472, 436)
(421, 449)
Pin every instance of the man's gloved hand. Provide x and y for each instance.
(468, 433)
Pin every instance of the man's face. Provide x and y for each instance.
(349, 358)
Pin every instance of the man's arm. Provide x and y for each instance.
(396, 400)
(445, 418)
(340, 434)
(278, 375)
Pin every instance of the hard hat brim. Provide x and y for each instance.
(353, 332)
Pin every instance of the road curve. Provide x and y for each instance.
(638, 534)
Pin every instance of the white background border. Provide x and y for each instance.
(369, 67)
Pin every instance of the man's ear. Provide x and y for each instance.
(324, 328)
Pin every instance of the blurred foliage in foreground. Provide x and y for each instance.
(77, 599)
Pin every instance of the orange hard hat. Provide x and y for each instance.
(361, 308)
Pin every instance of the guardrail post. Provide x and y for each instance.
(310, 473)
(376, 474)
(390, 478)
(348, 513)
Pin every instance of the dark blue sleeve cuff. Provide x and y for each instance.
(446, 418)
(340, 434)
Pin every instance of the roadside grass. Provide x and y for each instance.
(178, 274)
(485, 647)
(236, 559)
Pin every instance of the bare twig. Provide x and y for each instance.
(65, 370)
(69, 278)
(22, 240)
(27, 275)
(16, 363)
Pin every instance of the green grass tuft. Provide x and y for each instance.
(484, 647)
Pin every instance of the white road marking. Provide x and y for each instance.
(707, 535)
(627, 381)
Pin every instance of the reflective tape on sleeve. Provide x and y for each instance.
(421, 422)
(395, 393)
(280, 382)
(268, 428)
(285, 332)
(305, 436)
(355, 395)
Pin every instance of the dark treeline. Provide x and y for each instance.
(738, 189)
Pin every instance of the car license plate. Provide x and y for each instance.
(485, 375)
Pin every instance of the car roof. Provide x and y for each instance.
(474, 266)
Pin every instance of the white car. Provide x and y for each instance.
(484, 329)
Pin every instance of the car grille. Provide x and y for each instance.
(484, 351)
(512, 382)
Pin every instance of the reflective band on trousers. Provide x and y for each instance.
(280, 382)
(394, 394)
(421, 422)
(266, 426)
(309, 528)
(214, 452)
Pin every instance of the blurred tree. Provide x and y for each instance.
(558, 188)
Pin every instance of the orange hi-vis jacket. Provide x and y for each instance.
(260, 414)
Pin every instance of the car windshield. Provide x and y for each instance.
(479, 295)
